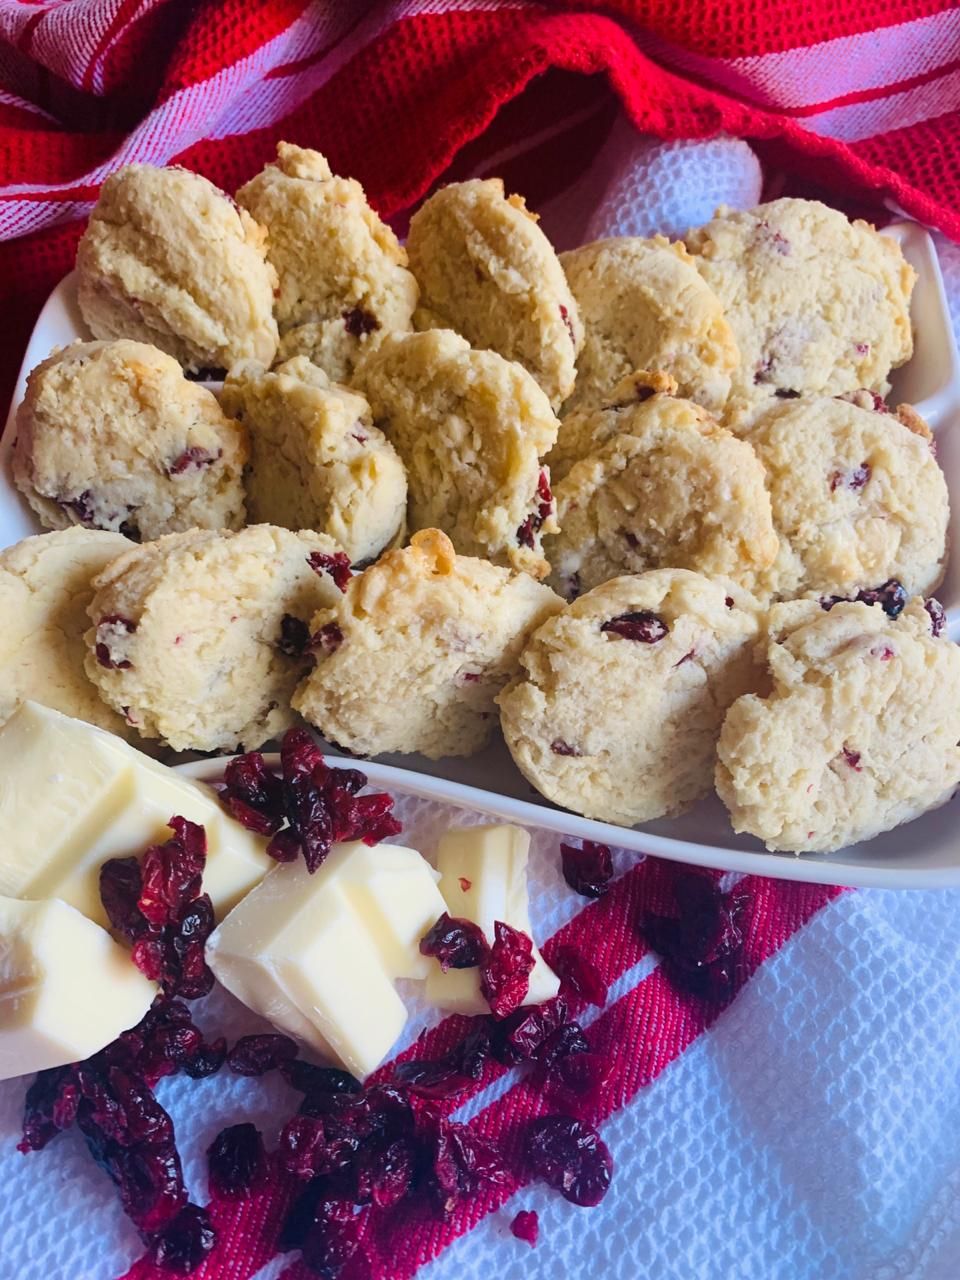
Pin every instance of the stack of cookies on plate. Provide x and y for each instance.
(644, 502)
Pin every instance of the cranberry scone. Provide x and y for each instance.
(111, 435)
(644, 305)
(817, 303)
(412, 656)
(45, 588)
(857, 497)
(472, 429)
(860, 732)
(200, 638)
(618, 706)
(487, 271)
(168, 258)
(342, 272)
(670, 489)
(316, 459)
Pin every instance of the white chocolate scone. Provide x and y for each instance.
(487, 271)
(859, 734)
(199, 638)
(316, 460)
(168, 258)
(857, 498)
(412, 656)
(816, 303)
(45, 587)
(342, 273)
(111, 435)
(671, 489)
(618, 708)
(471, 429)
(644, 305)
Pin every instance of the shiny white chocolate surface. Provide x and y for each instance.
(72, 796)
(66, 988)
(483, 878)
(317, 955)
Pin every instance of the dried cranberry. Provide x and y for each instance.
(81, 506)
(938, 618)
(120, 894)
(852, 758)
(890, 595)
(209, 373)
(306, 1078)
(527, 532)
(560, 1043)
(641, 625)
(336, 565)
(565, 317)
(164, 1042)
(854, 480)
(358, 322)
(561, 748)
(587, 870)
(701, 946)
(526, 1227)
(576, 1081)
(329, 1245)
(571, 1157)
(386, 1172)
(172, 873)
(236, 1161)
(294, 636)
(579, 975)
(256, 1055)
(185, 971)
(111, 632)
(439, 1079)
(456, 943)
(505, 970)
(193, 458)
(328, 639)
(786, 393)
(183, 1243)
(313, 1145)
(462, 1162)
(253, 795)
(50, 1107)
(521, 1036)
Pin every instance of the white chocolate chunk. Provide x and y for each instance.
(483, 878)
(67, 989)
(317, 955)
(72, 796)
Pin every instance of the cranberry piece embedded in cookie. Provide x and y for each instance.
(193, 458)
(855, 480)
(852, 758)
(328, 638)
(890, 596)
(938, 619)
(294, 636)
(561, 748)
(112, 630)
(359, 322)
(336, 565)
(81, 506)
(565, 317)
(641, 625)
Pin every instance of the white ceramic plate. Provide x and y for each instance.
(923, 854)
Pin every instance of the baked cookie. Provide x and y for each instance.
(44, 592)
(672, 489)
(487, 271)
(584, 430)
(168, 258)
(316, 460)
(644, 305)
(816, 303)
(859, 734)
(857, 497)
(414, 653)
(471, 429)
(199, 638)
(111, 435)
(619, 704)
(343, 274)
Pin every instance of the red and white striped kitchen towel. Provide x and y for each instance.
(810, 1130)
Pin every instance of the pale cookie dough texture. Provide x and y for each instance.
(111, 435)
(316, 460)
(45, 588)
(583, 431)
(168, 258)
(671, 489)
(412, 656)
(471, 429)
(487, 271)
(644, 305)
(816, 303)
(199, 638)
(859, 734)
(618, 708)
(857, 498)
(342, 272)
